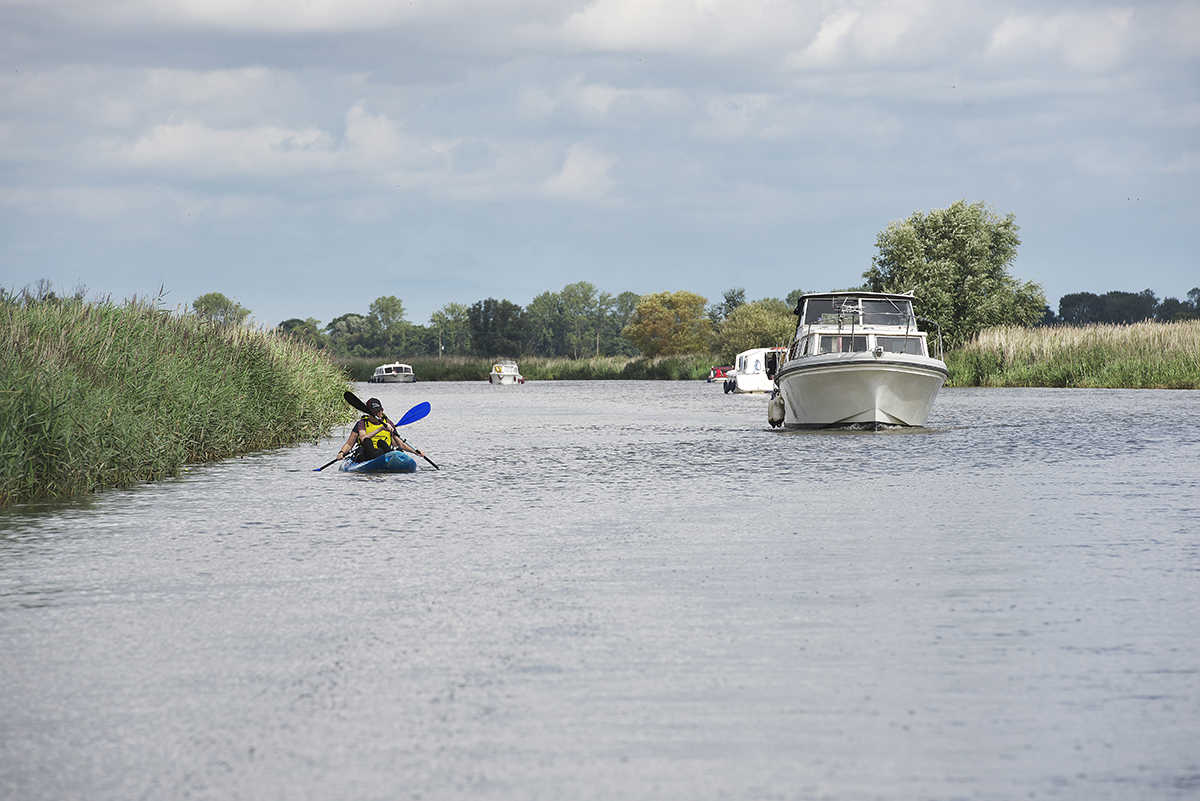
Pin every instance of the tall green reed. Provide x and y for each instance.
(98, 395)
(1139, 356)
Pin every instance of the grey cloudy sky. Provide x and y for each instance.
(308, 157)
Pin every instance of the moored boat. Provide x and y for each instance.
(390, 462)
(394, 373)
(754, 370)
(506, 372)
(857, 359)
(717, 375)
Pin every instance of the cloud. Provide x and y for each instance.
(585, 175)
(696, 26)
(1088, 42)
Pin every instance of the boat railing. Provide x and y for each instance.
(938, 325)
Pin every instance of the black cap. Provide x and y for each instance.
(373, 405)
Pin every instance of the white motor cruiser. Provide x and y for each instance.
(754, 370)
(395, 373)
(506, 372)
(858, 360)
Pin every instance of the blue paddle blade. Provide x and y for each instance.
(414, 414)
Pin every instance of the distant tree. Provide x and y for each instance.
(304, 330)
(668, 323)
(497, 328)
(1129, 307)
(219, 309)
(793, 298)
(1173, 310)
(731, 299)
(386, 315)
(452, 326)
(761, 324)
(1193, 297)
(1048, 318)
(1117, 308)
(956, 260)
(351, 335)
(1080, 308)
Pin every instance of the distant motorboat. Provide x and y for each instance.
(394, 373)
(857, 359)
(506, 372)
(717, 375)
(754, 370)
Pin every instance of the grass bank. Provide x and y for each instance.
(466, 368)
(98, 395)
(1139, 356)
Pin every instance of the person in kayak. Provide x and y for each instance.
(375, 435)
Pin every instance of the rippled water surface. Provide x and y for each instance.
(628, 590)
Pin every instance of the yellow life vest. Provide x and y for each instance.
(375, 438)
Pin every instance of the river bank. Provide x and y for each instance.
(1141, 356)
(98, 395)
(539, 368)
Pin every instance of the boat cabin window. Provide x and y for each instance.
(886, 312)
(912, 345)
(815, 308)
(847, 344)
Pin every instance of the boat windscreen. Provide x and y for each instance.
(886, 312)
(815, 307)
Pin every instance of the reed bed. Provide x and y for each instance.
(99, 395)
(1139, 356)
(534, 368)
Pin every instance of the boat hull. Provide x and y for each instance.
(391, 462)
(506, 379)
(859, 390)
(406, 378)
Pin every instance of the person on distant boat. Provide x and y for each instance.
(375, 435)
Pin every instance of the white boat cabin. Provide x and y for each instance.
(395, 373)
(755, 369)
(857, 323)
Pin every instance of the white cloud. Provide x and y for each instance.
(371, 143)
(585, 175)
(1092, 41)
(699, 26)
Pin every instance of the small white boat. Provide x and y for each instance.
(506, 372)
(754, 370)
(857, 359)
(395, 373)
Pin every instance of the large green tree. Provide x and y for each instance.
(452, 327)
(351, 335)
(762, 324)
(386, 315)
(497, 328)
(956, 260)
(219, 309)
(308, 330)
(668, 323)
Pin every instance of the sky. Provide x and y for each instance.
(305, 157)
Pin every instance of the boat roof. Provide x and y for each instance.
(852, 293)
(761, 350)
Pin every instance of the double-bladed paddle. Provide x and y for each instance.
(411, 416)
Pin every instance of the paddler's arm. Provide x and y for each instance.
(344, 451)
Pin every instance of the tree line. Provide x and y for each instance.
(576, 322)
(956, 261)
(1122, 308)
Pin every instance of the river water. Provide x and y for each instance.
(628, 590)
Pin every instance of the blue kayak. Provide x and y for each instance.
(391, 462)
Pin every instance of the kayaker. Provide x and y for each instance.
(375, 435)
